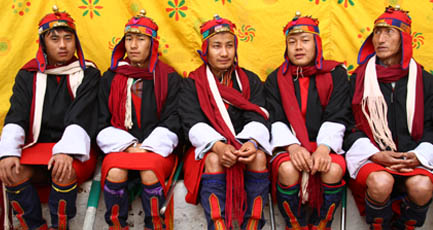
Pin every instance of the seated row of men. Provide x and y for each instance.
(288, 135)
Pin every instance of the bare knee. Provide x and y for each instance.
(212, 163)
(419, 189)
(380, 185)
(334, 175)
(148, 177)
(259, 163)
(68, 179)
(25, 173)
(117, 175)
(287, 173)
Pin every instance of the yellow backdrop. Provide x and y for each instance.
(344, 24)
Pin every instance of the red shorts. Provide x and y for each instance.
(359, 185)
(41, 153)
(283, 157)
(163, 167)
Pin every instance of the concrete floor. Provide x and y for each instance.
(191, 217)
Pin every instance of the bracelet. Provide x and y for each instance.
(254, 143)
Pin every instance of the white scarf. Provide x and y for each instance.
(374, 101)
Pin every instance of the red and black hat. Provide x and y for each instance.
(305, 24)
(139, 24)
(51, 21)
(393, 17)
(212, 27)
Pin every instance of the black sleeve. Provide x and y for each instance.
(352, 133)
(189, 106)
(21, 100)
(428, 108)
(273, 99)
(104, 115)
(169, 114)
(338, 109)
(83, 110)
(257, 96)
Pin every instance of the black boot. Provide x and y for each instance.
(411, 215)
(289, 204)
(332, 194)
(152, 197)
(62, 205)
(378, 216)
(213, 199)
(26, 205)
(116, 202)
(257, 188)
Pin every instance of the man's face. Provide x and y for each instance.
(301, 49)
(60, 46)
(387, 44)
(221, 51)
(137, 48)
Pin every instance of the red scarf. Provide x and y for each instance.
(235, 194)
(32, 65)
(118, 91)
(387, 75)
(294, 115)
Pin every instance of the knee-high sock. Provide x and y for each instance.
(213, 198)
(62, 204)
(288, 203)
(332, 194)
(26, 205)
(411, 215)
(257, 188)
(377, 215)
(116, 202)
(152, 197)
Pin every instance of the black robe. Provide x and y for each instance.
(169, 117)
(191, 113)
(59, 110)
(337, 110)
(397, 116)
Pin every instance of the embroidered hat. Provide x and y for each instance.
(139, 24)
(396, 18)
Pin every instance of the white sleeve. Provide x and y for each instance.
(75, 140)
(331, 134)
(282, 136)
(424, 153)
(257, 131)
(161, 141)
(12, 140)
(202, 136)
(112, 139)
(358, 155)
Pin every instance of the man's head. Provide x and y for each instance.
(219, 47)
(391, 39)
(387, 44)
(59, 45)
(139, 42)
(58, 40)
(137, 48)
(303, 43)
